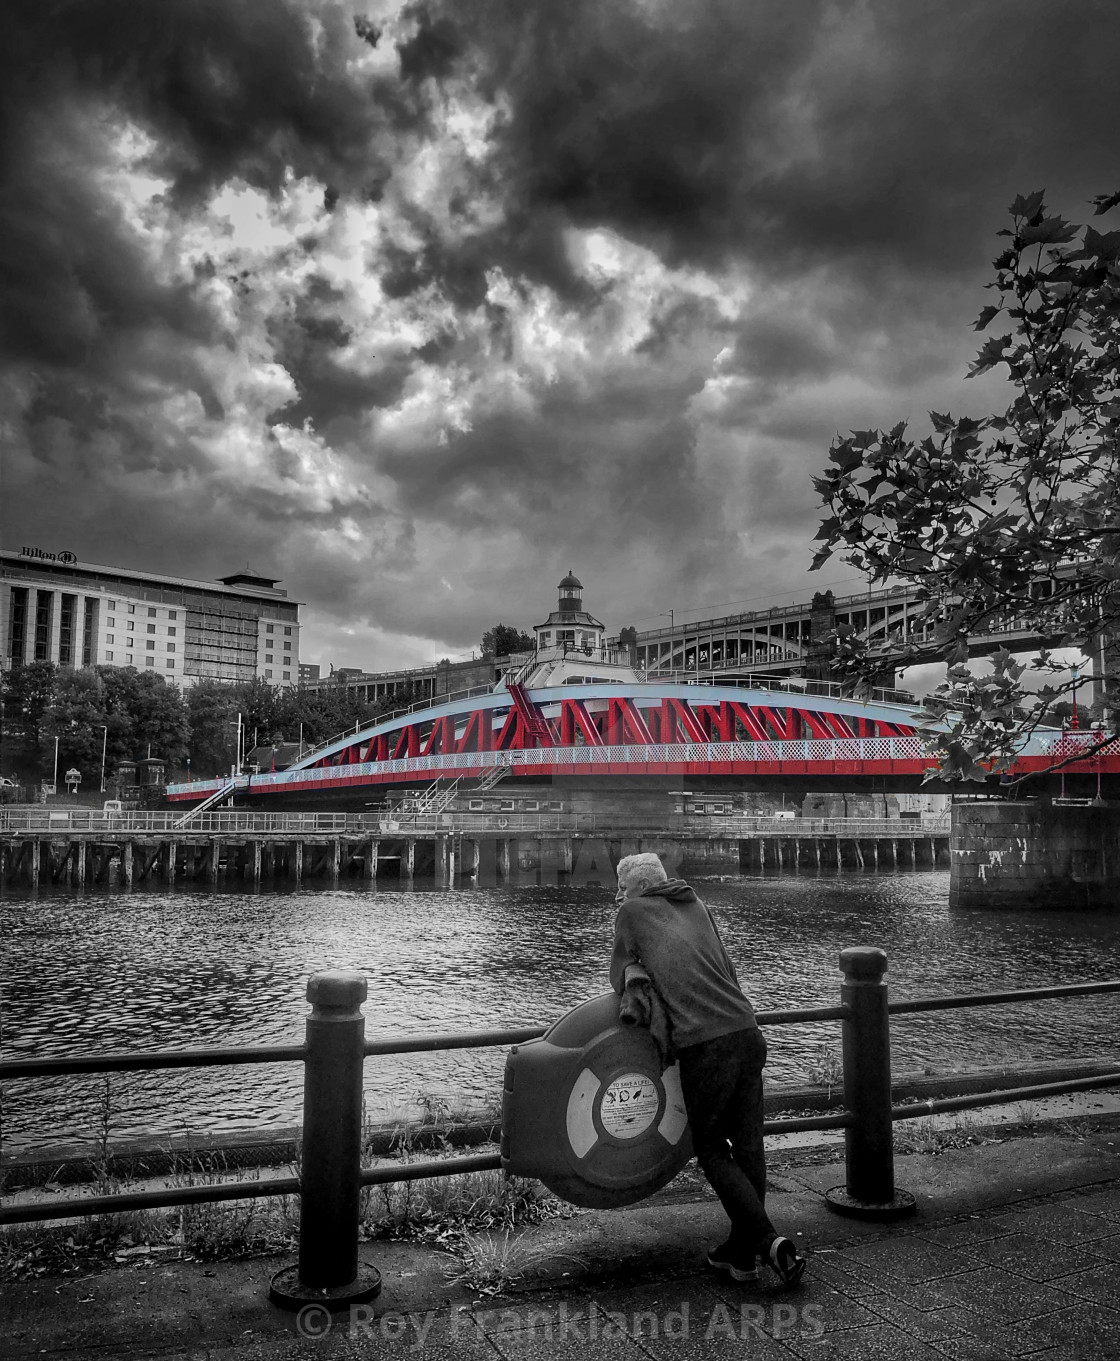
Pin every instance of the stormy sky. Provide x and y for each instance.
(418, 306)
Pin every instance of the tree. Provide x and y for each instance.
(27, 693)
(75, 717)
(502, 639)
(1012, 514)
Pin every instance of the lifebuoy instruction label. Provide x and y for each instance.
(629, 1105)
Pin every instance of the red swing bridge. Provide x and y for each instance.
(587, 727)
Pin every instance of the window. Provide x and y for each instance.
(111, 622)
(171, 647)
(268, 675)
(130, 626)
(128, 659)
(287, 675)
(287, 647)
(108, 637)
(172, 614)
(112, 604)
(151, 612)
(268, 628)
(287, 632)
(171, 631)
(132, 609)
(170, 663)
(149, 661)
(268, 657)
(108, 656)
(151, 628)
(151, 644)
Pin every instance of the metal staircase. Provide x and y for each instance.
(438, 796)
(535, 726)
(219, 795)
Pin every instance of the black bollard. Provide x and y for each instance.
(868, 1141)
(329, 1272)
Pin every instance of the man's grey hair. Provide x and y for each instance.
(636, 873)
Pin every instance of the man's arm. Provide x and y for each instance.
(625, 952)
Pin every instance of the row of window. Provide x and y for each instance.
(125, 659)
(268, 675)
(152, 611)
(130, 627)
(271, 628)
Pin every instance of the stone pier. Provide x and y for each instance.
(1035, 855)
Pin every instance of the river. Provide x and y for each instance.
(174, 968)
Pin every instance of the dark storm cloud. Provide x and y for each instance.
(845, 163)
(788, 133)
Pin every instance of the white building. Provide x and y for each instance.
(54, 608)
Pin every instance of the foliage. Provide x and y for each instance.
(503, 639)
(1012, 515)
(27, 694)
(141, 710)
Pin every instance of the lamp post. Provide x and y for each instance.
(104, 749)
(54, 781)
(668, 614)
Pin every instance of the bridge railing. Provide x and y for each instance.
(464, 822)
(825, 750)
(333, 1055)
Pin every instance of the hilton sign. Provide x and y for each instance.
(41, 555)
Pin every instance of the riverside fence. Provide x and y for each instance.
(331, 1177)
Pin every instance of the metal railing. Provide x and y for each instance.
(335, 1049)
(409, 819)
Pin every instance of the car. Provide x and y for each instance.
(6, 783)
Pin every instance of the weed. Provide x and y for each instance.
(1028, 1115)
(826, 1067)
(489, 1264)
(928, 1136)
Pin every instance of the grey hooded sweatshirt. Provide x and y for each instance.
(669, 931)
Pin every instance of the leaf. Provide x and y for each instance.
(1103, 202)
(1055, 230)
(986, 316)
(1028, 207)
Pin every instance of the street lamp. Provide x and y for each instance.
(54, 781)
(104, 749)
(668, 614)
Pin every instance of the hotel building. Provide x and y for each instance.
(54, 608)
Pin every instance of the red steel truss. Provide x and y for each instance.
(610, 722)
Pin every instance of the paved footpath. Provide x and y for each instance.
(1014, 1251)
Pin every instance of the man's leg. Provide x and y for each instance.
(744, 1113)
(711, 1076)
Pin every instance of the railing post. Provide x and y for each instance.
(868, 1141)
(329, 1271)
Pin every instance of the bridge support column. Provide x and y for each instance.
(408, 859)
(126, 863)
(503, 858)
(214, 860)
(442, 861)
(336, 858)
(370, 864)
(171, 855)
(471, 858)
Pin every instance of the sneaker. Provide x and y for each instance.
(740, 1265)
(782, 1257)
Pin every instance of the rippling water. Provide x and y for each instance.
(186, 967)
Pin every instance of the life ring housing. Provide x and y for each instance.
(587, 1110)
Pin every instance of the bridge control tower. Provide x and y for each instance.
(569, 622)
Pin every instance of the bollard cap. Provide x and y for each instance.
(337, 989)
(863, 963)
